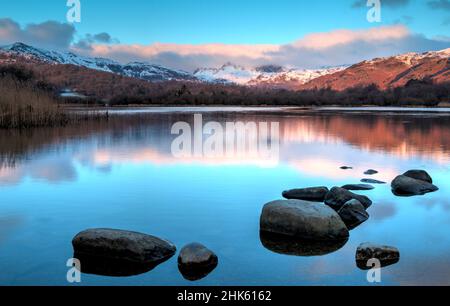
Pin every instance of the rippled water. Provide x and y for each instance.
(123, 173)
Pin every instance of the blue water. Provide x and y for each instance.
(123, 174)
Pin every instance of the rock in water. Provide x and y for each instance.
(385, 254)
(346, 168)
(123, 245)
(406, 186)
(358, 187)
(196, 261)
(353, 214)
(372, 181)
(337, 198)
(303, 220)
(314, 194)
(371, 172)
(420, 175)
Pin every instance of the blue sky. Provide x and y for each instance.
(207, 33)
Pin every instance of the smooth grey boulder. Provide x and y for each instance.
(314, 194)
(371, 172)
(358, 187)
(337, 197)
(372, 181)
(406, 186)
(387, 255)
(420, 175)
(123, 245)
(196, 261)
(353, 214)
(303, 220)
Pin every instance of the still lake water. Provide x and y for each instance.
(123, 174)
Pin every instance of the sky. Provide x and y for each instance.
(188, 34)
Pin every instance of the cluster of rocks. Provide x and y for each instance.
(111, 252)
(318, 221)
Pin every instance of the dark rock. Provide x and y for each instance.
(420, 175)
(371, 172)
(123, 246)
(286, 245)
(315, 194)
(196, 261)
(346, 168)
(371, 181)
(303, 220)
(358, 187)
(353, 214)
(337, 197)
(405, 186)
(385, 254)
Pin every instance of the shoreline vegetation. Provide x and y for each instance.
(29, 96)
(27, 103)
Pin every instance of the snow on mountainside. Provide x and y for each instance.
(262, 76)
(143, 71)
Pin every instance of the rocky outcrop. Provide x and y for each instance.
(303, 220)
(314, 194)
(358, 187)
(385, 254)
(196, 261)
(337, 198)
(406, 186)
(123, 245)
(353, 214)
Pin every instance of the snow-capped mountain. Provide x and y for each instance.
(270, 75)
(143, 71)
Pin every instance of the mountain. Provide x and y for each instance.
(388, 72)
(144, 71)
(263, 76)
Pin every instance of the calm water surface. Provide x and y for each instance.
(122, 174)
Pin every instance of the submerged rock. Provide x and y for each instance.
(371, 172)
(123, 246)
(302, 219)
(420, 175)
(385, 254)
(346, 168)
(286, 245)
(196, 261)
(337, 198)
(358, 187)
(372, 181)
(315, 194)
(353, 214)
(406, 186)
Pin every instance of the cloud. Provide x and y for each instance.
(50, 34)
(387, 3)
(101, 38)
(315, 50)
(439, 5)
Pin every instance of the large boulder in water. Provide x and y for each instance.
(303, 220)
(314, 194)
(122, 245)
(353, 214)
(406, 186)
(337, 198)
(420, 175)
(386, 255)
(196, 261)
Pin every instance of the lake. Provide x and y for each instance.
(134, 172)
